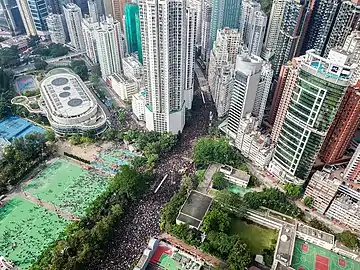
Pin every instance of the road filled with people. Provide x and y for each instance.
(142, 219)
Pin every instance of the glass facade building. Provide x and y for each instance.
(132, 29)
(315, 99)
(39, 12)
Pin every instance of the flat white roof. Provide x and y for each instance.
(66, 95)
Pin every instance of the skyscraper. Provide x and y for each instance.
(346, 21)
(54, 6)
(292, 30)
(352, 47)
(73, 17)
(272, 34)
(118, 7)
(108, 45)
(93, 11)
(322, 18)
(26, 16)
(343, 127)
(225, 13)
(10, 18)
(319, 88)
(192, 22)
(252, 26)
(352, 171)
(205, 29)
(56, 28)
(39, 13)
(132, 29)
(163, 35)
(221, 68)
(88, 27)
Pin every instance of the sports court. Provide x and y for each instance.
(26, 83)
(307, 256)
(110, 160)
(166, 257)
(67, 185)
(26, 230)
(16, 127)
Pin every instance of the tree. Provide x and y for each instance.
(33, 41)
(292, 190)
(40, 64)
(50, 135)
(80, 68)
(319, 225)
(219, 181)
(349, 239)
(239, 257)
(228, 199)
(308, 201)
(9, 57)
(216, 220)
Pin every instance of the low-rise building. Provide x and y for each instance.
(138, 105)
(234, 176)
(124, 86)
(134, 69)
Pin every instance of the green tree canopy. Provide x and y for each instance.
(219, 181)
(349, 239)
(80, 68)
(292, 190)
(9, 57)
(40, 64)
(216, 220)
(308, 201)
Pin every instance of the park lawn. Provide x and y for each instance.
(255, 236)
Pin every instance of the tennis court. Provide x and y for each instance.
(67, 186)
(16, 127)
(110, 160)
(26, 230)
(26, 83)
(307, 256)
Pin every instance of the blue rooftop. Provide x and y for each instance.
(323, 70)
(16, 127)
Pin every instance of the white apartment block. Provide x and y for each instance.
(138, 105)
(56, 28)
(124, 86)
(192, 20)
(352, 171)
(73, 17)
(252, 26)
(163, 26)
(221, 68)
(262, 91)
(88, 32)
(26, 17)
(205, 29)
(252, 144)
(322, 188)
(134, 69)
(108, 46)
(272, 34)
(352, 46)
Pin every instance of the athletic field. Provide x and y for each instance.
(26, 230)
(310, 257)
(67, 186)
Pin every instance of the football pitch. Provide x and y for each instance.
(307, 256)
(67, 185)
(26, 230)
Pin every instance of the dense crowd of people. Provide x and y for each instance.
(142, 220)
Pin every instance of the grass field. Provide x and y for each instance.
(26, 230)
(256, 237)
(309, 257)
(67, 185)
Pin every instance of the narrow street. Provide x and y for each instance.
(143, 218)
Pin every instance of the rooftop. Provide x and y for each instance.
(328, 238)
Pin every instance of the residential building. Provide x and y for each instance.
(205, 29)
(93, 11)
(118, 7)
(221, 68)
(273, 30)
(10, 18)
(132, 29)
(54, 6)
(26, 16)
(352, 171)
(108, 46)
(39, 12)
(88, 26)
(138, 105)
(282, 95)
(73, 17)
(252, 26)
(352, 47)
(192, 21)
(346, 21)
(225, 13)
(322, 188)
(322, 18)
(318, 90)
(164, 45)
(252, 144)
(343, 127)
(82, 4)
(56, 28)
(124, 86)
(134, 69)
(292, 30)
